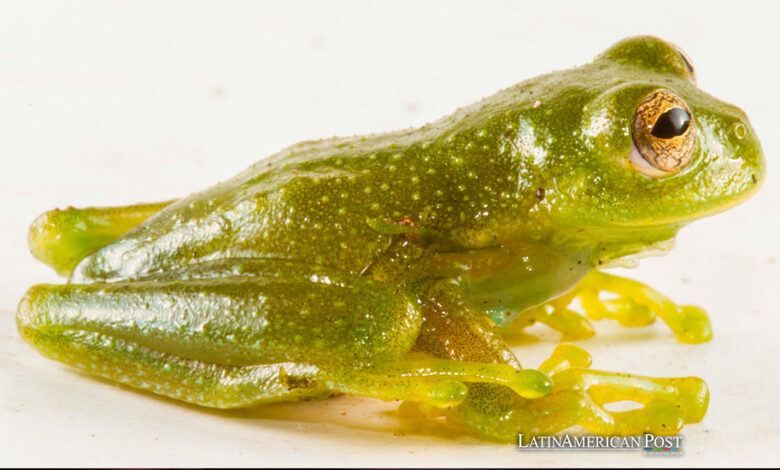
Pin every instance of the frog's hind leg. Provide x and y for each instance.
(238, 341)
(632, 304)
(63, 237)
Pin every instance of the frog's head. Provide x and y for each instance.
(650, 151)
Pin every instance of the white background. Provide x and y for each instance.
(118, 102)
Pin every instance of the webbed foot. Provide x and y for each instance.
(579, 397)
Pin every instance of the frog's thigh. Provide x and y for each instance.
(61, 238)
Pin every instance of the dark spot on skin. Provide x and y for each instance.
(292, 383)
(753, 177)
(540, 194)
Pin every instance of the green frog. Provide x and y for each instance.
(390, 265)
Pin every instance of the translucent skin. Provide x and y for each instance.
(383, 265)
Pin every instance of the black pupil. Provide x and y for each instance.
(672, 123)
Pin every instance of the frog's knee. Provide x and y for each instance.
(40, 318)
(31, 314)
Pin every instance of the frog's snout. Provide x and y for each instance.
(747, 149)
(735, 164)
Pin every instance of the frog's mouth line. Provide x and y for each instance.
(679, 221)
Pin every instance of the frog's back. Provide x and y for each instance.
(309, 202)
(314, 201)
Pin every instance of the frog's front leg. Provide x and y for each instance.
(632, 304)
(272, 331)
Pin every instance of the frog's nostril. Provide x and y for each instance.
(740, 130)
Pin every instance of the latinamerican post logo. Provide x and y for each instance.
(650, 444)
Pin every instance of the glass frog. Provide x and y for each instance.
(389, 265)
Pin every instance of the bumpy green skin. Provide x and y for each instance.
(338, 257)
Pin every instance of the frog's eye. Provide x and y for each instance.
(664, 135)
